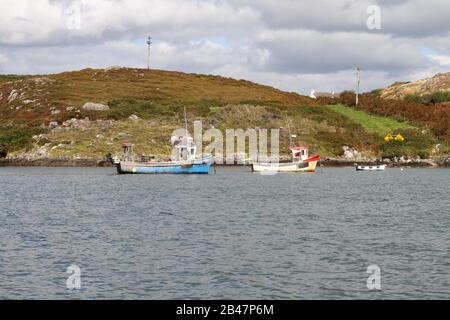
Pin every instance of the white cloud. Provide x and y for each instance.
(311, 51)
(47, 22)
(441, 60)
(297, 45)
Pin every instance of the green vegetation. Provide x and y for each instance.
(416, 144)
(121, 109)
(10, 77)
(16, 138)
(437, 97)
(377, 92)
(371, 123)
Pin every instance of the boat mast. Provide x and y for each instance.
(185, 125)
(187, 145)
(289, 128)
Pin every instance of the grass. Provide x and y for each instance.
(372, 123)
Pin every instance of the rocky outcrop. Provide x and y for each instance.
(113, 68)
(352, 154)
(440, 82)
(410, 161)
(91, 106)
(79, 124)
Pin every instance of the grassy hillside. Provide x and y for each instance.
(43, 116)
(435, 118)
(372, 123)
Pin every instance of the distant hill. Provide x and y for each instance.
(429, 86)
(37, 98)
(89, 113)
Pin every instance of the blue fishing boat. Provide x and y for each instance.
(187, 162)
(184, 159)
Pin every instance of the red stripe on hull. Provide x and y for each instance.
(315, 158)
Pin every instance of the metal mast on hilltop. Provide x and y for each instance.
(149, 43)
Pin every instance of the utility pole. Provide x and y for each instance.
(358, 82)
(149, 43)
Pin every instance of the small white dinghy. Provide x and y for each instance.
(381, 167)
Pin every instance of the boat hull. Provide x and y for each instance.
(284, 167)
(197, 167)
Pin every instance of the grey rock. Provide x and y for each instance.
(124, 135)
(134, 117)
(91, 106)
(53, 124)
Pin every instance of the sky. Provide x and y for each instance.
(294, 45)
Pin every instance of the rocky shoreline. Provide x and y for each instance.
(48, 162)
(443, 162)
(423, 163)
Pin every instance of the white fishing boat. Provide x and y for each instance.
(301, 162)
(381, 167)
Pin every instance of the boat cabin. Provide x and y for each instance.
(185, 149)
(128, 153)
(299, 154)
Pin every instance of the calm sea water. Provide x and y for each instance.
(230, 235)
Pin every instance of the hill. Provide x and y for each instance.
(437, 85)
(89, 113)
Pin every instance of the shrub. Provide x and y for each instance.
(376, 92)
(15, 138)
(437, 97)
(416, 144)
(440, 96)
(418, 99)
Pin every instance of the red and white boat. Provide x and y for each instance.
(301, 162)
